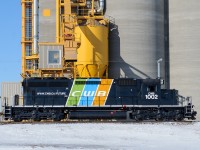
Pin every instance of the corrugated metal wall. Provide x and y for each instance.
(9, 90)
(47, 21)
(138, 40)
(184, 25)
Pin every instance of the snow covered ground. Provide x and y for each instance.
(100, 136)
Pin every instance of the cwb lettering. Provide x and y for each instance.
(89, 93)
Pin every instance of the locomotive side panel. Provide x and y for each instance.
(46, 91)
(96, 92)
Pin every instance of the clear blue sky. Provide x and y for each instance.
(10, 38)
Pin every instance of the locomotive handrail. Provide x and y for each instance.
(181, 99)
(81, 100)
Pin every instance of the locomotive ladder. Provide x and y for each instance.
(7, 112)
(188, 107)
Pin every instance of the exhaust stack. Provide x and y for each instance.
(158, 64)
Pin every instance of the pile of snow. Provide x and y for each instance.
(137, 136)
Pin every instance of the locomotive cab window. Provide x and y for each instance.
(152, 88)
(54, 57)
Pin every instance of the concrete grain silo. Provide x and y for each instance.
(184, 33)
(137, 38)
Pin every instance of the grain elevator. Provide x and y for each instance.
(69, 39)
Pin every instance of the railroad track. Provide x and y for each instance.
(96, 121)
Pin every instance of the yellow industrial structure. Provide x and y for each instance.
(77, 49)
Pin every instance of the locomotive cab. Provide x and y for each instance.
(151, 89)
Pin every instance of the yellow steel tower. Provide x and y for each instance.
(64, 38)
(27, 37)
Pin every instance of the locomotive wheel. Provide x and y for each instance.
(17, 119)
(138, 118)
(159, 117)
(57, 119)
(37, 119)
(179, 117)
